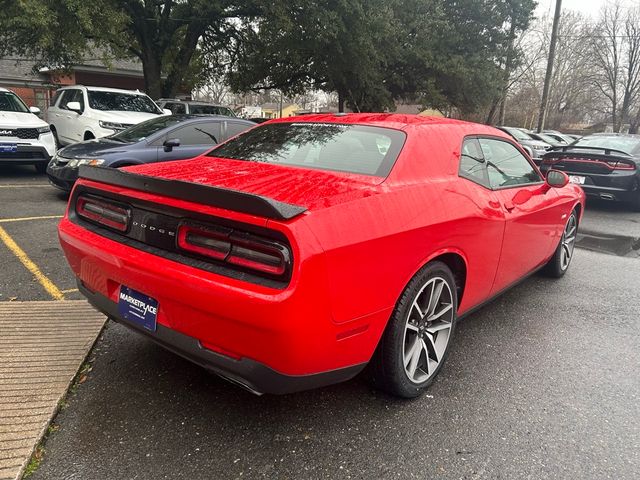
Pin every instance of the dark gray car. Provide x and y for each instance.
(174, 137)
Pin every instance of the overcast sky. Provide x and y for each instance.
(590, 7)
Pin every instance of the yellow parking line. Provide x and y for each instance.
(22, 219)
(26, 185)
(32, 267)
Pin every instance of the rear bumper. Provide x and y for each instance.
(611, 193)
(617, 186)
(289, 332)
(254, 376)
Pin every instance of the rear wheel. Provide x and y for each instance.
(89, 136)
(559, 263)
(415, 343)
(635, 204)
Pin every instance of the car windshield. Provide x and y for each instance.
(326, 146)
(211, 110)
(628, 144)
(547, 138)
(123, 102)
(518, 134)
(139, 132)
(10, 102)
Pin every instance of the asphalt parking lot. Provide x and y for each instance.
(541, 383)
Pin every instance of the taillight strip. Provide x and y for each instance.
(241, 249)
(104, 213)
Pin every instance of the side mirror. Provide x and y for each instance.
(170, 143)
(557, 179)
(74, 106)
(166, 111)
(34, 110)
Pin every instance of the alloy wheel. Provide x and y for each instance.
(568, 241)
(428, 330)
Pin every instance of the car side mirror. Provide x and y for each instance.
(166, 111)
(74, 106)
(557, 179)
(170, 143)
(34, 110)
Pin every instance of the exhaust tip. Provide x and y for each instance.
(607, 196)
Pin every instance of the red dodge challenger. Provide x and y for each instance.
(305, 249)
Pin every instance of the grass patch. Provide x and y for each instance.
(34, 462)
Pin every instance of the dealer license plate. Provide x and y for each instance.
(8, 147)
(576, 179)
(138, 308)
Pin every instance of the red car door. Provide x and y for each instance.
(531, 211)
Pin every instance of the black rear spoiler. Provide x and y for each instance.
(607, 151)
(195, 192)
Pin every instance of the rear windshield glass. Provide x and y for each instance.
(630, 145)
(122, 102)
(211, 110)
(326, 146)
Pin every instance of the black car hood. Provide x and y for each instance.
(93, 148)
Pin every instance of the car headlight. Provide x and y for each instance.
(76, 162)
(45, 129)
(113, 125)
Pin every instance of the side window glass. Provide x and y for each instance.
(55, 98)
(196, 134)
(78, 97)
(472, 163)
(64, 96)
(506, 166)
(234, 128)
(176, 108)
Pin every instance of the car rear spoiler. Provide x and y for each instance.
(607, 151)
(195, 192)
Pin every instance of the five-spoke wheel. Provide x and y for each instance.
(415, 343)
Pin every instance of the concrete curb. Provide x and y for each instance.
(42, 346)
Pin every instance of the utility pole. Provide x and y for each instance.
(542, 116)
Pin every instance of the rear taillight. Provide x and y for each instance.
(615, 165)
(241, 249)
(100, 211)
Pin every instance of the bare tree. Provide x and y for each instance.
(631, 64)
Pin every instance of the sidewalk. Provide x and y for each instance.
(42, 346)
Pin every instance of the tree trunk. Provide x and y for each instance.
(152, 68)
(340, 102)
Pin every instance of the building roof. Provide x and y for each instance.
(20, 71)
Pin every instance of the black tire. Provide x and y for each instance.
(556, 267)
(56, 140)
(89, 136)
(635, 204)
(387, 370)
(41, 167)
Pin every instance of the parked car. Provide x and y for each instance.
(543, 137)
(302, 250)
(80, 113)
(172, 137)
(194, 107)
(561, 137)
(535, 148)
(606, 166)
(24, 138)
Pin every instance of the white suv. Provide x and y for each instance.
(81, 113)
(24, 138)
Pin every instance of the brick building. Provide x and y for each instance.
(37, 88)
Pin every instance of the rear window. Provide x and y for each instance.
(210, 110)
(630, 145)
(326, 146)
